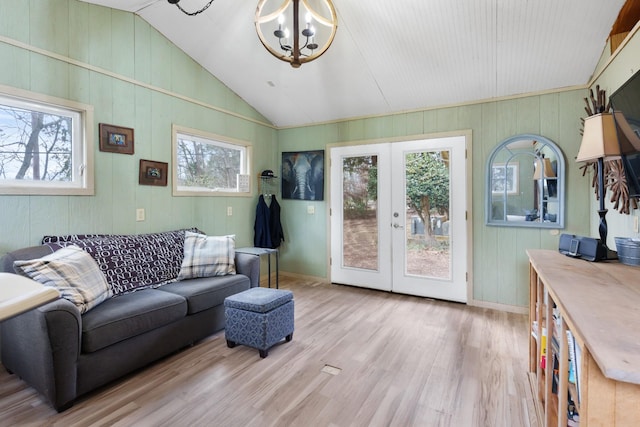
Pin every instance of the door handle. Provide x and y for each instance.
(396, 225)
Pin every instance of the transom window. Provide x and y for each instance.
(206, 164)
(43, 146)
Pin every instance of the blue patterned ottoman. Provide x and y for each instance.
(259, 318)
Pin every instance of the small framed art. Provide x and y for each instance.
(116, 139)
(153, 173)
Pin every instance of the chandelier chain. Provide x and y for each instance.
(196, 12)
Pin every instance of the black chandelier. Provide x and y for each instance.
(205, 7)
(297, 53)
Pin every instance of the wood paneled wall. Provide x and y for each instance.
(500, 263)
(134, 77)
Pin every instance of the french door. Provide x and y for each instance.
(398, 217)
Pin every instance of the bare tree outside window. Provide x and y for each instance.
(208, 165)
(45, 145)
(35, 145)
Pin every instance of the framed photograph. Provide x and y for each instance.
(303, 175)
(116, 139)
(153, 173)
(504, 177)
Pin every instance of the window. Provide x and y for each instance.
(43, 145)
(206, 164)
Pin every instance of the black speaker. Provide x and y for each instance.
(586, 248)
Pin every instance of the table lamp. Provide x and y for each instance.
(606, 136)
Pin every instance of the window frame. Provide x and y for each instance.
(82, 183)
(214, 138)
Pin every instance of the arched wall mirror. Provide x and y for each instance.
(525, 183)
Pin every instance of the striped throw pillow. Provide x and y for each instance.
(73, 272)
(206, 256)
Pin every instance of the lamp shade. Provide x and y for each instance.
(548, 169)
(607, 135)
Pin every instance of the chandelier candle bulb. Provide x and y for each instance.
(305, 47)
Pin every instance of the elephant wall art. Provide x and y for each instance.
(303, 175)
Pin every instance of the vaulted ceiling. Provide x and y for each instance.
(393, 56)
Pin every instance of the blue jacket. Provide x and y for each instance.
(267, 228)
(275, 226)
(262, 237)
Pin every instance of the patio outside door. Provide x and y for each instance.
(394, 223)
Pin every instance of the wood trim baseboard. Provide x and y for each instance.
(303, 277)
(502, 307)
(475, 303)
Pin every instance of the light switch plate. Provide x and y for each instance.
(311, 209)
(140, 214)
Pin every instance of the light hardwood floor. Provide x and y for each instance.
(402, 361)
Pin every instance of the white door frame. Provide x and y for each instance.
(469, 194)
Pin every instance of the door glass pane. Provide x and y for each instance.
(360, 212)
(427, 246)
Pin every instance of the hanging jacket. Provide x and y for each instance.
(262, 237)
(275, 226)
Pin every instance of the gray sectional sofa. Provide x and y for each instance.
(64, 353)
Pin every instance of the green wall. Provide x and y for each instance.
(133, 77)
(501, 271)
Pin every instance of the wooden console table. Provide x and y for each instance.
(599, 303)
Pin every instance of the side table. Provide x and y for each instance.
(19, 294)
(264, 251)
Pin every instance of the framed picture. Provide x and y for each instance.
(153, 173)
(116, 139)
(504, 177)
(303, 175)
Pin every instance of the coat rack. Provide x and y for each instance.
(267, 185)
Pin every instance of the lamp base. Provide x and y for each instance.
(609, 254)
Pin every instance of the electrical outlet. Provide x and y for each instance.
(229, 210)
(635, 224)
(140, 214)
(311, 209)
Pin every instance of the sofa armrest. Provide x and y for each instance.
(249, 265)
(6, 261)
(42, 346)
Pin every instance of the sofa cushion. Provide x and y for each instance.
(206, 256)
(133, 262)
(129, 315)
(73, 272)
(204, 293)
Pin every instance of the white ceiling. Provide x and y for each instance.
(393, 55)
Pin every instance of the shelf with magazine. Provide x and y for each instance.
(584, 362)
(551, 371)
